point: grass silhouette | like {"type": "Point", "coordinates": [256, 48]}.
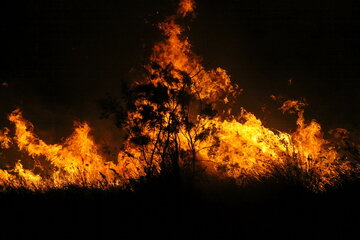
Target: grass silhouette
{"type": "Point", "coordinates": [169, 208]}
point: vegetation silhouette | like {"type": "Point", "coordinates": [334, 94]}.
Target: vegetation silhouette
{"type": "Point", "coordinates": [169, 113]}
{"type": "Point", "coordinates": [158, 207]}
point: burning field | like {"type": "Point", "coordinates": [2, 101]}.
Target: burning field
{"type": "Point", "coordinates": [183, 122]}
{"type": "Point", "coordinates": [178, 118]}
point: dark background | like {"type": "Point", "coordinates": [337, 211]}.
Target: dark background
{"type": "Point", "coordinates": [59, 57]}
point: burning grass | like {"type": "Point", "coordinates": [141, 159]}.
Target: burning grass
{"type": "Point", "coordinates": [178, 120]}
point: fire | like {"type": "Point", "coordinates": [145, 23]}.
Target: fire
{"type": "Point", "coordinates": [76, 161]}
{"type": "Point", "coordinates": [4, 138]}
{"type": "Point", "coordinates": [186, 7]}
{"type": "Point", "coordinates": [247, 150]}
{"type": "Point", "coordinates": [181, 120]}
{"type": "Point", "coordinates": [174, 54]}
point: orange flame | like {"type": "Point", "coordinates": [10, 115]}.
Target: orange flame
{"type": "Point", "coordinates": [4, 138]}
{"type": "Point", "coordinates": [186, 7]}
{"type": "Point", "coordinates": [76, 161]}
{"type": "Point", "coordinates": [175, 53]}
{"type": "Point", "coordinates": [246, 149]}
{"type": "Point", "coordinates": [238, 147]}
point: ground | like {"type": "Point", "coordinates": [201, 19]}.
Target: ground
{"type": "Point", "coordinates": [167, 210]}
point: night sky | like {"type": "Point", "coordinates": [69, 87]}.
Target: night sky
{"type": "Point", "coordinates": [58, 58]}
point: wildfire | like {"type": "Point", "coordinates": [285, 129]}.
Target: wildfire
{"type": "Point", "coordinates": [180, 120]}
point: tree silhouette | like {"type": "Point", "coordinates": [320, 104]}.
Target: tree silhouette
{"type": "Point", "coordinates": [163, 121]}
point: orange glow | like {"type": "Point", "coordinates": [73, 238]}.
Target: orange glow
{"type": "Point", "coordinates": [175, 53]}
{"type": "Point", "coordinates": [76, 161]}
{"type": "Point", "coordinates": [186, 7]}
{"type": "Point", "coordinates": [4, 138]}
{"type": "Point", "coordinates": [224, 145]}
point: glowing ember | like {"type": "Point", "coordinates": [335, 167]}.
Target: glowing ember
{"type": "Point", "coordinates": [180, 121]}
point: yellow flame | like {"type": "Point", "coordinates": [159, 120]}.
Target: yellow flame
{"type": "Point", "coordinates": [76, 161]}
{"type": "Point", "coordinates": [238, 147]}
{"type": "Point", "coordinates": [246, 149]}
{"type": "Point", "coordinates": [175, 52]}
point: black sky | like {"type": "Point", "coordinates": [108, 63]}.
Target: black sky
{"type": "Point", "coordinates": [59, 57]}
